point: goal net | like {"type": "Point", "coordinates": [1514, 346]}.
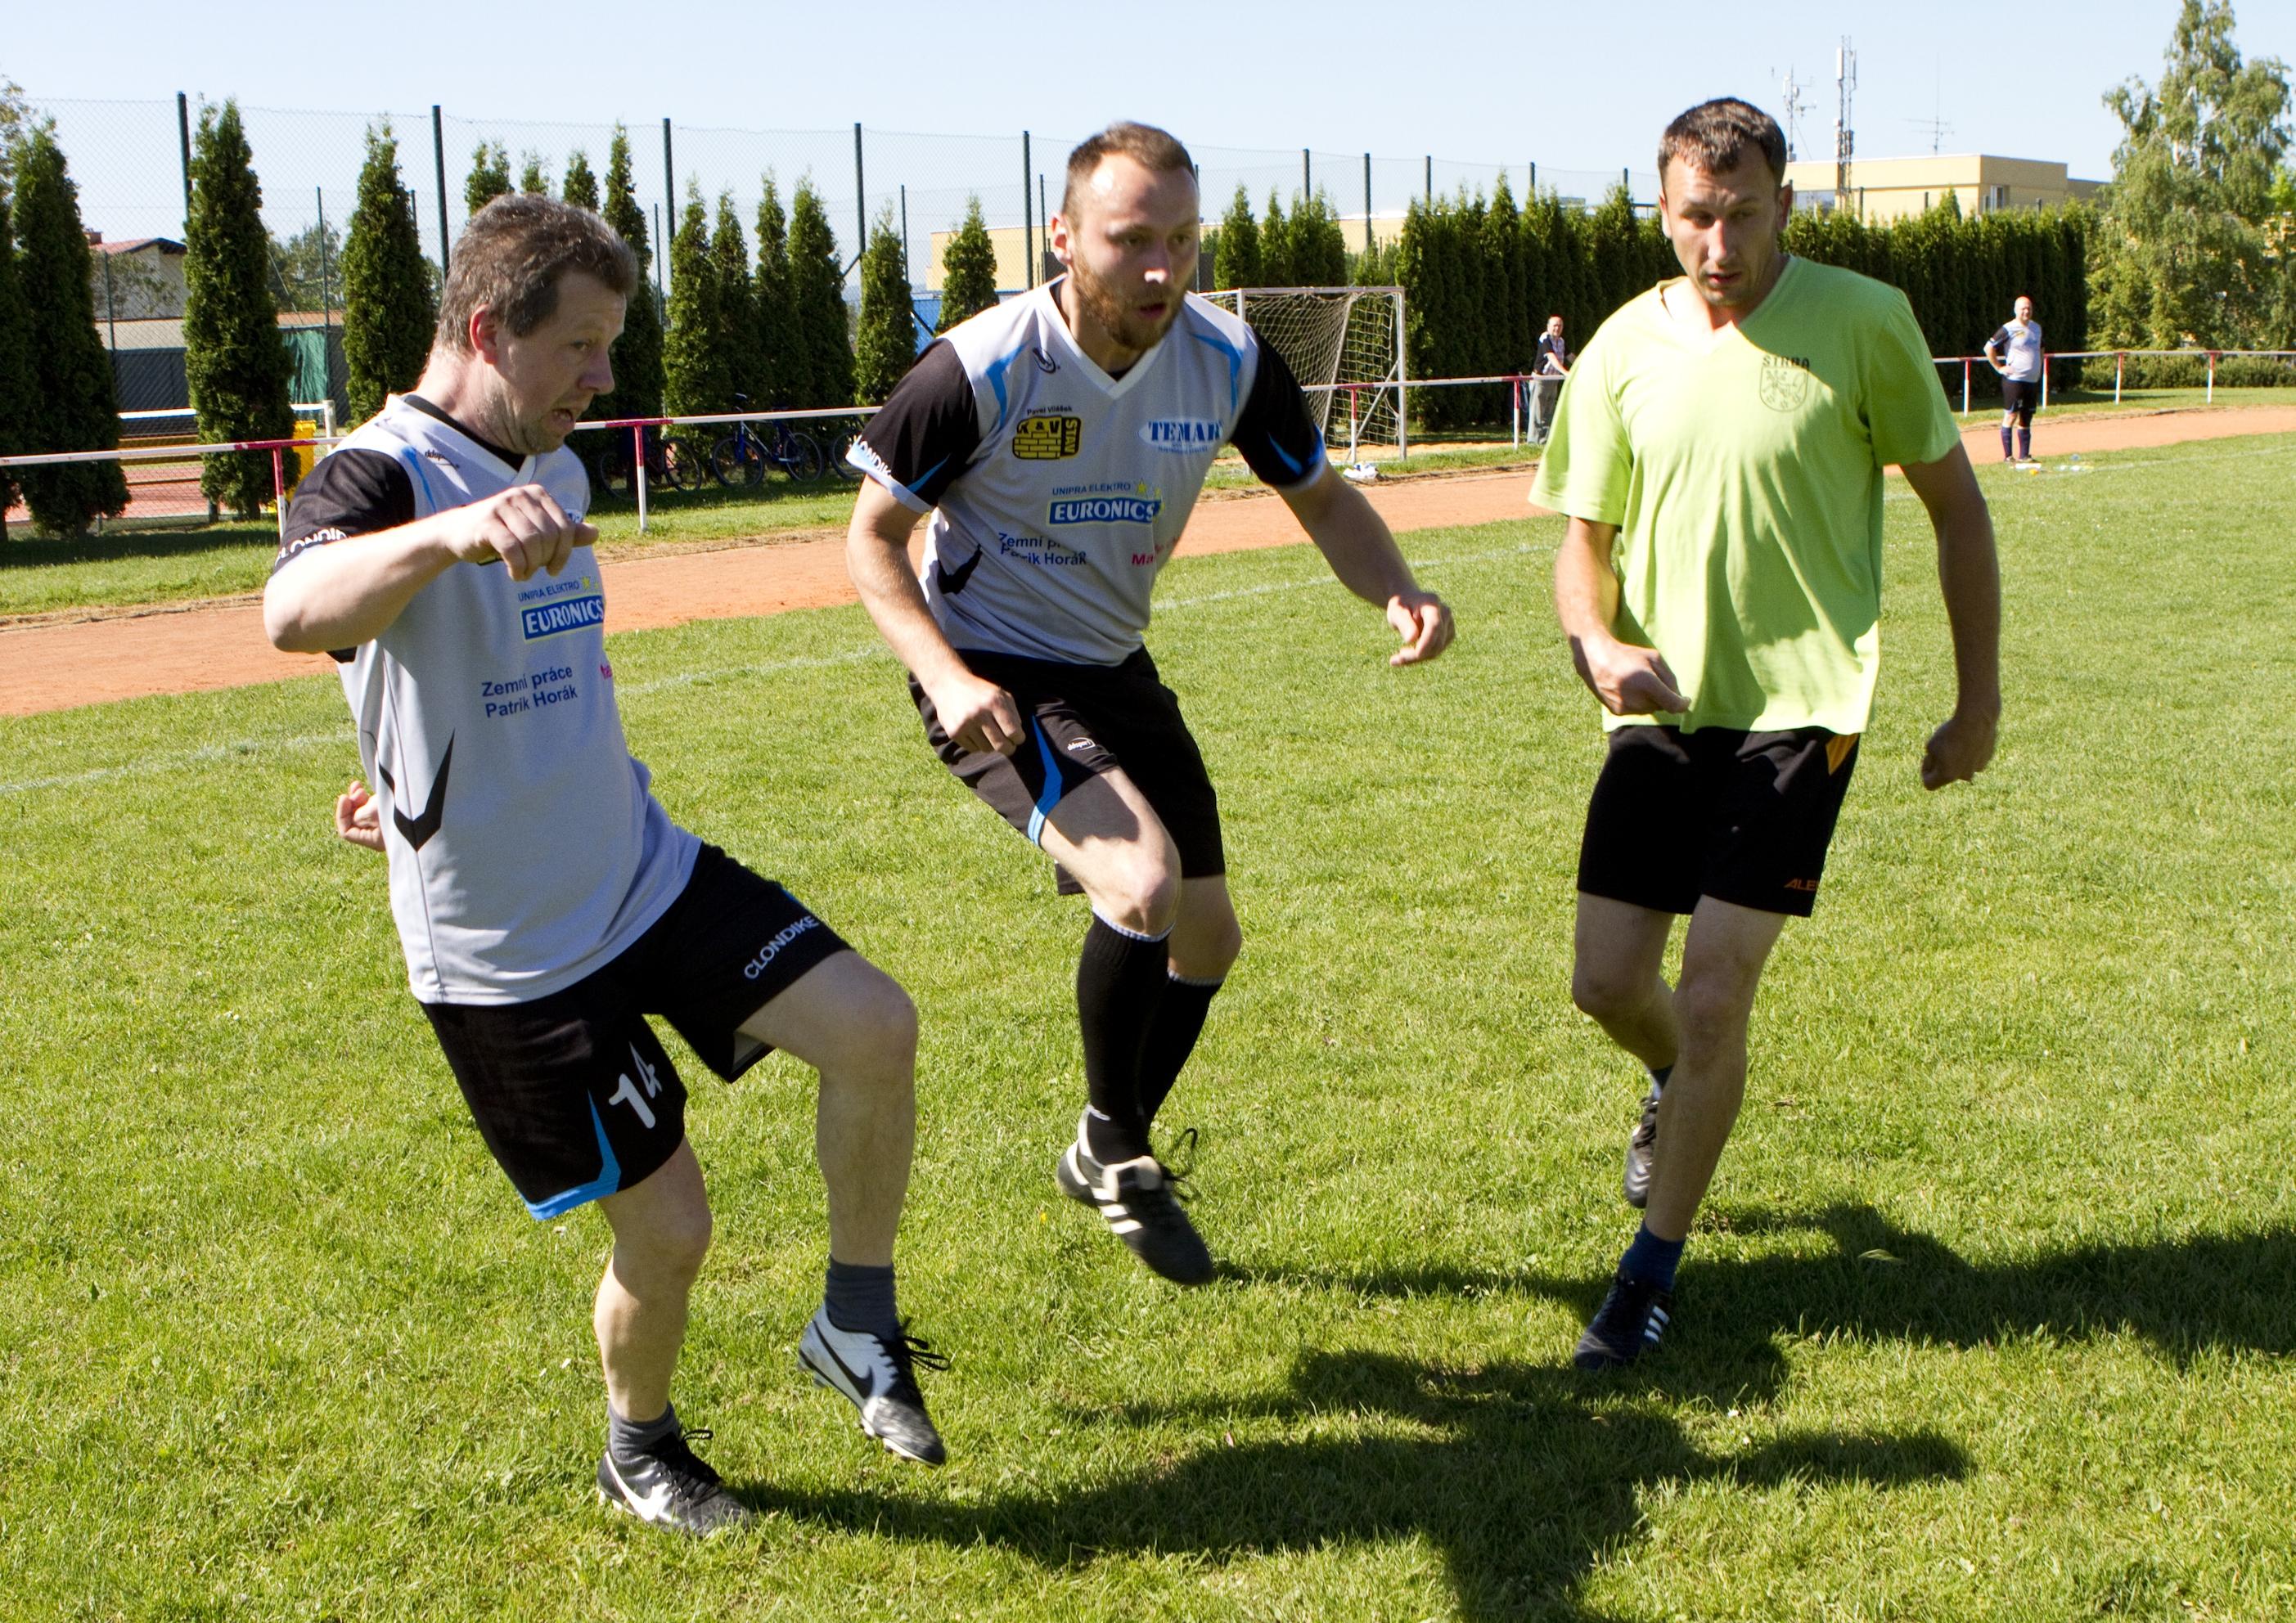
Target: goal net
{"type": "Point", "coordinates": [1345, 345]}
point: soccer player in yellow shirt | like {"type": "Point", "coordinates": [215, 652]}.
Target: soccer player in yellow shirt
{"type": "Point", "coordinates": [1720, 452]}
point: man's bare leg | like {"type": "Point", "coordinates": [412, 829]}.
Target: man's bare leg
{"type": "Point", "coordinates": [661, 1233]}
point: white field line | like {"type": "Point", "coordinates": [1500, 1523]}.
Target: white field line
{"type": "Point", "coordinates": [207, 755]}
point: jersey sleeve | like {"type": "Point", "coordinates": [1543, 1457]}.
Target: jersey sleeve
{"type": "Point", "coordinates": [1999, 340]}
{"type": "Point", "coordinates": [1905, 409]}
{"type": "Point", "coordinates": [1588, 463]}
{"type": "Point", "coordinates": [1279, 440]}
{"type": "Point", "coordinates": [354, 492]}
{"type": "Point", "coordinates": [925, 434]}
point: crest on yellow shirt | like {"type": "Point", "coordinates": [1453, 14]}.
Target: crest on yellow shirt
{"type": "Point", "coordinates": [1785, 382]}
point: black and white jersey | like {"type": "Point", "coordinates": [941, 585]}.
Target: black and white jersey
{"type": "Point", "coordinates": [2019, 345]}
{"type": "Point", "coordinates": [1058, 492]}
{"type": "Point", "coordinates": [526, 848]}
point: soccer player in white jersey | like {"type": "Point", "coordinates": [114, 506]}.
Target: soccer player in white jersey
{"type": "Point", "coordinates": [545, 901]}
{"type": "Point", "coordinates": [2014, 351]}
{"type": "Point", "coordinates": [1058, 441]}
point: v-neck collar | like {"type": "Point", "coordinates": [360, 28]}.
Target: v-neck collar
{"type": "Point", "coordinates": [516, 463]}
{"type": "Point", "coordinates": [1113, 387]}
{"type": "Point", "coordinates": [1690, 339]}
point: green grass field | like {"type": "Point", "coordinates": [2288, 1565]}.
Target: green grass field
{"type": "Point", "coordinates": [1993, 1314]}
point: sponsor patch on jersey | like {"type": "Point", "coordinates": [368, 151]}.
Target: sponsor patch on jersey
{"type": "Point", "coordinates": [1785, 382]}
{"type": "Point", "coordinates": [1047, 439]}
{"type": "Point", "coordinates": [1105, 510]}
{"type": "Point", "coordinates": [1179, 434]}
{"type": "Point", "coordinates": [567, 614]}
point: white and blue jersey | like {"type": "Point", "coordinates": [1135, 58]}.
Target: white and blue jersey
{"type": "Point", "coordinates": [526, 848]}
{"type": "Point", "coordinates": [1058, 492]}
{"type": "Point", "coordinates": [2019, 345]}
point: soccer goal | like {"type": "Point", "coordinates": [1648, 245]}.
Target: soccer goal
{"type": "Point", "coordinates": [1345, 345]}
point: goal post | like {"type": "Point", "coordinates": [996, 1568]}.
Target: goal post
{"type": "Point", "coordinates": [1345, 345]}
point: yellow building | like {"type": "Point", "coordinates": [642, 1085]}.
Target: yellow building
{"type": "Point", "coordinates": [1885, 189]}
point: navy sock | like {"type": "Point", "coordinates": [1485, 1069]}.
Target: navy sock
{"type": "Point", "coordinates": [1172, 1038]}
{"type": "Point", "coordinates": [629, 1440]}
{"type": "Point", "coordinates": [2024, 444]}
{"type": "Point", "coordinates": [861, 1298]}
{"type": "Point", "coordinates": [1119, 981]}
{"type": "Point", "coordinates": [2005, 442]}
{"type": "Point", "coordinates": [1651, 1260]}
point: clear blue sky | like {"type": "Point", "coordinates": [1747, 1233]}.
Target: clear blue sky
{"type": "Point", "coordinates": [1582, 87]}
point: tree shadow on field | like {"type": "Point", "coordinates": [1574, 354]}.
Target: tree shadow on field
{"type": "Point", "coordinates": [2222, 1293]}
{"type": "Point", "coordinates": [1525, 1477]}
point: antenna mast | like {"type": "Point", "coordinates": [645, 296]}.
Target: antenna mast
{"type": "Point", "coordinates": [1845, 138]}
{"type": "Point", "coordinates": [1794, 104]}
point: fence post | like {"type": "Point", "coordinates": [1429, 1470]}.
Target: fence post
{"type": "Point", "coordinates": [2212, 377]}
{"type": "Point", "coordinates": [184, 133]}
{"type": "Point", "coordinates": [1367, 241]}
{"type": "Point", "coordinates": [638, 470]}
{"type": "Point", "coordinates": [668, 203]}
{"type": "Point", "coordinates": [1431, 179]}
{"type": "Point", "coordinates": [1028, 218]}
{"type": "Point", "coordinates": [2045, 379]}
{"type": "Point", "coordinates": [438, 162]}
{"type": "Point", "coordinates": [2118, 358]}
{"type": "Point", "coordinates": [860, 201]}
{"type": "Point", "coordinates": [1515, 417]}
{"type": "Point", "coordinates": [279, 492]}
{"type": "Point", "coordinates": [1307, 175]}
{"type": "Point", "coordinates": [1965, 386]}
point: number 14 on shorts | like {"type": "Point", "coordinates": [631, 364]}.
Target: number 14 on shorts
{"type": "Point", "coordinates": [626, 1091]}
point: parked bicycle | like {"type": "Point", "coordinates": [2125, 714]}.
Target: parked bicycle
{"type": "Point", "coordinates": [838, 445]}
{"type": "Point", "coordinates": [672, 462]}
{"type": "Point", "coordinates": [743, 456]}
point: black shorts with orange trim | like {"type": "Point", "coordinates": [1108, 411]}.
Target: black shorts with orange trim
{"type": "Point", "coordinates": [1081, 721]}
{"type": "Point", "coordinates": [1743, 818]}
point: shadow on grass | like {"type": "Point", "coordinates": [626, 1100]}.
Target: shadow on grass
{"type": "Point", "coordinates": [24, 550]}
{"type": "Point", "coordinates": [1525, 1477]}
{"type": "Point", "coordinates": [2209, 1292]}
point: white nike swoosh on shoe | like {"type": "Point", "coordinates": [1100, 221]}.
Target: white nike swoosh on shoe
{"type": "Point", "coordinates": [646, 1506]}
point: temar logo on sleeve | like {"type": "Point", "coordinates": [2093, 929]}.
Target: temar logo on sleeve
{"type": "Point", "coordinates": [567, 614]}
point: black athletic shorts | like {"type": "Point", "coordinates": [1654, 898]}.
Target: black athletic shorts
{"type": "Point", "coordinates": [1742, 817]}
{"type": "Point", "coordinates": [1083, 720]}
{"type": "Point", "coordinates": [573, 1091]}
{"type": "Point", "coordinates": [2021, 395]}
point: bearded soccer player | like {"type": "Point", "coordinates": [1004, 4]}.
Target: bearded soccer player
{"type": "Point", "coordinates": [1058, 442]}
{"type": "Point", "coordinates": [1719, 454]}
{"type": "Point", "coordinates": [545, 901]}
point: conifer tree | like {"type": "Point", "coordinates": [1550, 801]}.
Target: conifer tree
{"type": "Point", "coordinates": [637, 355]}
{"type": "Point", "coordinates": [531, 180]}
{"type": "Point", "coordinates": [75, 403]}
{"type": "Point", "coordinates": [489, 175]}
{"type": "Point", "coordinates": [581, 187]}
{"type": "Point", "coordinates": [968, 283]}
{"type": "Point", "coordinates": [1236, 263]}
{"type": "Point", "coordinates": [694, 375]}
{"type": "Point", "coordinates": [817, 299]}
{"type": "Point", "coordinates": [781, 359]}
{"type": "Point", "coordinates": [15, 366]}
{"type": "Point", "coordinates": [388, 312]}
{"type": "Point", "coordinates": [236, 362]}
{"type": "Point", "coordinates": [1319, 250]}
{"type": "Point", "coordinates": [886, 346]}
{"type": "Point", "coordinates": [1276, 247]}
{"type": "Point", "coordinates": [737, 303]}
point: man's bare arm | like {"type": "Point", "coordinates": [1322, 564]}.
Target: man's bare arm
{"type": "Point", "coordinates": [977, 713]}
{"type": "Point", "coordinates": [348, 592]}
{"type": "Point", "coordinates": [1629, 680]}
{"type": "Point", "coordinates": [1969, 574]}
{"type": "Point", "coordinates": [1361, 550]}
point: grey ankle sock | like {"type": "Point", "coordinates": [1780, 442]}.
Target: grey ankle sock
{"type": "Point", "coordinates": [861, 1298]}
{"type": "Point", "coordinates": [628, 1440]}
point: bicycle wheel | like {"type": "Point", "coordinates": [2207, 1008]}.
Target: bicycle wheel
{"type": "Point", "coordinates": [737, 460]}
{"type": "Point", "coordinates": [683, 465]}
{"type": "Point", "coordinates": [802, 458]}
{"type": "Point", "coordinates": [838, 464]}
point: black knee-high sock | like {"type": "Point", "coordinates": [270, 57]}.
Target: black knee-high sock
{"type": "Point", "coordinates": [2005, 442]}
{"type": "Point", "coordinates": [1119, 981]}
{"type": "Point", "coordinates": [2024, 443]}
{"type": "Point", "coordinates": [1179, 1022]}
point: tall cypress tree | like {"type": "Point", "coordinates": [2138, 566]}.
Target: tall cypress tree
{"type": "Point", "coordinates": [1236, 261]}
{"type": "Point", "coordinates": [817, 298]}
{"type": "Point", "coordinates": [737, 303]}
{"type": "Point", "coordinates": [15, 366]}
{"type": "Point", "coordinates": [781, 357]}
{"type": "Point", "coordinates": [236, 362]}
{"type": "Point", "coordinates": [968, 283]}
{"type": "Point", "coordinates": [531, 180]}
{"type": "Point", "coordinates": [637, 355]}
{"type": "Point", "coordinates": [1319, 250]}
{"type": "Point", "coordinates": [388, 313]}
{"type": "Point", "coordinates": [581, 188]}
{"type": "Point", "coordinates": [75, 404]}
{"type": "Point", "coordinates": [1276, 247]}
{"type": "Point", "coordinates": [694, 374]}
{"type": "Point", "coordinates": [887, 342]}
{"type": "Point", "coordinates": [489, 175]}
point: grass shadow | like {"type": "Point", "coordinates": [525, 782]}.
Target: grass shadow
{"type": "Point", "coordinates": [24, 550]}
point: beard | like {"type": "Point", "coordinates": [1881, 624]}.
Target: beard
{"type": "Point", "coordinates": [1115, 315]}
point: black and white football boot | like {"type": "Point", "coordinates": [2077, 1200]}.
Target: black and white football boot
{"type": "Point", "coordinates": [669, 1486]}
{"type": "Point", "coordinates": [1640, 1148]}
{"type": "Point", "coordinates": [1629, 1323]}
{"type": "Point", "coordinates": [880, 1379]}
{"type": "Point", "coordinates": [1139, 1200]}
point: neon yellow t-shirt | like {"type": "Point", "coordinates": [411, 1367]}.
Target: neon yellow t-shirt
{"type": "Point", "coordinates": [1745, 478]}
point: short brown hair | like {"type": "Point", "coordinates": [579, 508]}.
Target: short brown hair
{"type": "Point", "coordinates": [1714, 136]}
{"type": "Point", "coordinates": [1159, 151]}
{"type": "Point", "coordinates": [512, 257]}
